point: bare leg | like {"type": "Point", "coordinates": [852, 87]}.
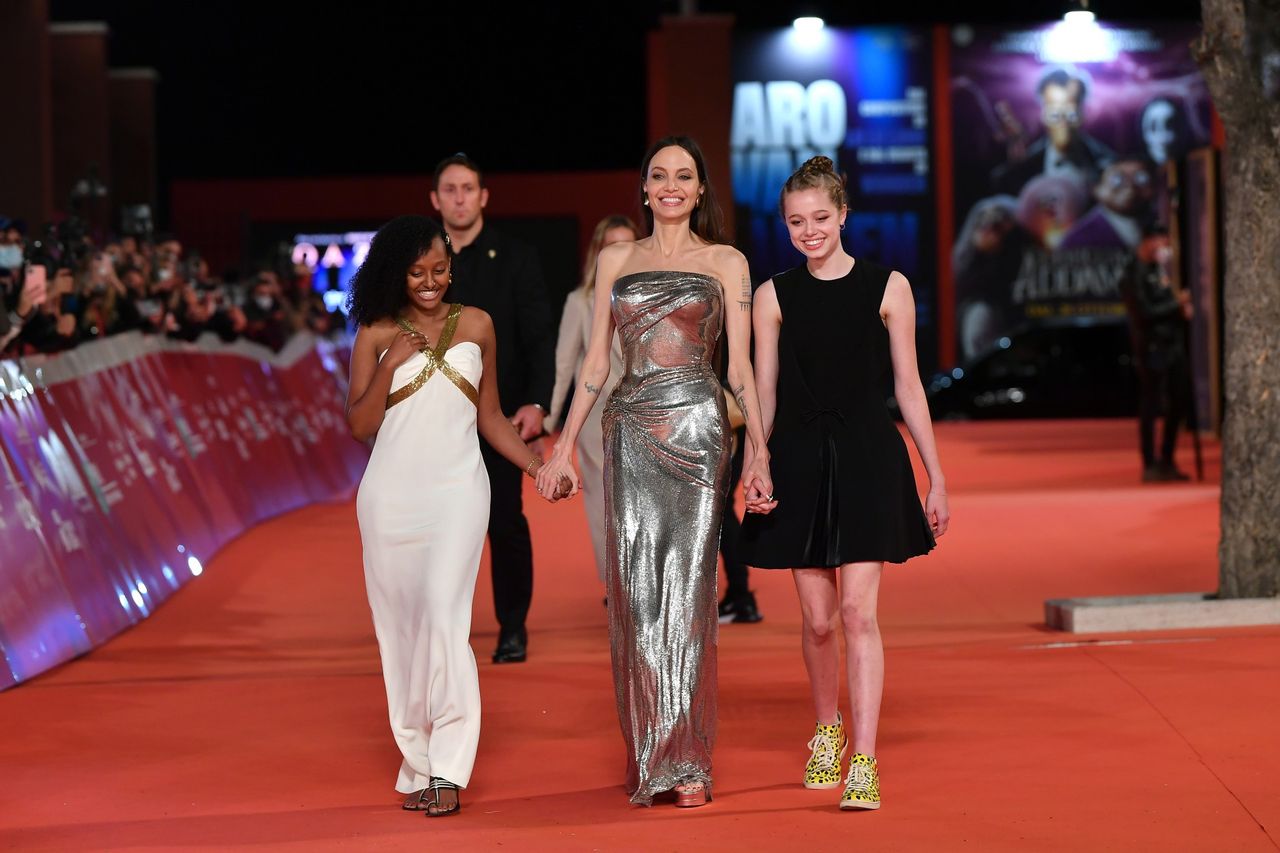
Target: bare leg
{"type": "Point", "coordinates": [819, 606]}
{"type": "Point", "coordinates": [864, 653]}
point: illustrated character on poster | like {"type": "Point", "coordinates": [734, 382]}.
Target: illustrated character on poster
{"type": "Point", "coordinates": [1166, 138]}
{"type": "Point", "coordinates": [986, 258]}
{"type": "Point", "coordinates": [1064, 150]}
{"type": "Point", "coordinates": [1048, 206]}
{"type": "Point", "coordinates": [1165, 135]}
{"type": "Point", "coordinates": [1117, 221]}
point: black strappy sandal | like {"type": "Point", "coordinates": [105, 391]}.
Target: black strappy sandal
{"type": "Point", "coordinates": [415, 801]}
{"type": "Point", "coordinates": [431, 798]}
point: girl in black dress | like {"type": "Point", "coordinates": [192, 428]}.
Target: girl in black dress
{"type": "Point", "coordinates": [833, 337]}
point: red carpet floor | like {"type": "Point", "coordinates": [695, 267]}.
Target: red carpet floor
{"type": "Point", "coordinates": [248, 712]}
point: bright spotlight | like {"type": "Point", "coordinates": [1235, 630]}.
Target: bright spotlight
{"type": "Point", "coordinates": [1079, 16]}
{"type": "Point", "coordinates": [808, 24]}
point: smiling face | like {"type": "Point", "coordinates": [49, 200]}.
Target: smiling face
{"type": "Point", "coordinates": [427, 278]}
{"type": "Point", "coordinates": [671, 183]}
{"type": "Point", "coordinates": [813, 222]}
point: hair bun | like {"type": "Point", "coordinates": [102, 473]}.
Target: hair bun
{"type": "Point", "coordinates": [820, 165]}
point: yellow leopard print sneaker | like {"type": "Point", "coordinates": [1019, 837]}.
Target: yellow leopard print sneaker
{"type": "Point", "coordinates": [829, 746]}
{"type": "Point", "coordinates": [862, 788]}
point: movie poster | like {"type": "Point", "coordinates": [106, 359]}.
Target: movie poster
{"type": "Point", "coordinates": [861, 98]}
{"type": "Point", "coordinates": [1061, 135]}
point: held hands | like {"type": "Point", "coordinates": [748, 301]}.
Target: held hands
{"type": "Point", "coordinates": [757, 484]}
{"type": "Point", "coordinates": [557, 479]}
{"type": "Point", "coordinates": [937, 512]}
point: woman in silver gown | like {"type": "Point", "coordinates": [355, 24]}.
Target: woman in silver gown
{"type": "Point", "coordinates": [666, 464]}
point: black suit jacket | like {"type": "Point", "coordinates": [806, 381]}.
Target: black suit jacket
{"type": "Point", "coordinates": [1085, 153]}
{"type": "Point", "coordinates": [503, 277]}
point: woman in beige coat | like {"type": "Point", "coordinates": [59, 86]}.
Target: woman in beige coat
{"type": "Point", "coordinates": [575, 332]}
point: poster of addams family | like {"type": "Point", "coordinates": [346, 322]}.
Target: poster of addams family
{"type": "Point", "coordinates": [1061, 138]}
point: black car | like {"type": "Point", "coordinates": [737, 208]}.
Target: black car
{"type": "Point", "coordinates": [1050, 370]}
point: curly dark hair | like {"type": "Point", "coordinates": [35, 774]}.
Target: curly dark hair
{"type": "Point", "coordinates": [378, 287]}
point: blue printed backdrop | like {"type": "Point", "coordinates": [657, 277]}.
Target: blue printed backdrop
{"type": "Point", "coordinates": [860, 97]}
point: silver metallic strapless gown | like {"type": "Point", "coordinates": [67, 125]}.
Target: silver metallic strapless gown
{"type": "Point", "coordinates": [666, 466]}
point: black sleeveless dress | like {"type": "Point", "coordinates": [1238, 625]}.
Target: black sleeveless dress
{"type": "Point", "coordinates": [840, 468]}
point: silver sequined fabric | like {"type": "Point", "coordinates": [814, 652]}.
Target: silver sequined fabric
{"type": "Point", "coordinates": [666, 465]}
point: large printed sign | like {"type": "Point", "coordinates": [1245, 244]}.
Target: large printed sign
{"type": "Point", "coordinates": [118, 479]}
{"type": "Point", "coordinates": [1061, 135]}
{"type": "Point", "coordinates": [861, 98]}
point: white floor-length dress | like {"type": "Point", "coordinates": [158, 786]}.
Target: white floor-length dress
{"type": "Point", "coordinates": [423, 508]}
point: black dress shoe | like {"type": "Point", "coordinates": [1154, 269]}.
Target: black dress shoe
{"type": "Point", "coordinates": [512, 643]}
{"type": "Point", "coordinates": [739, 608]}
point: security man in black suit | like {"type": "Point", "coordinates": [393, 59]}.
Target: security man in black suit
{"type": "Point", "coordinates": [502, 276]}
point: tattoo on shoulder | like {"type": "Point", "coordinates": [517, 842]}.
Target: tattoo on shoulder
{"type": "Point", "coordinates": [591, 389]}
{"type": "Point", "coordinates": [744, 303]}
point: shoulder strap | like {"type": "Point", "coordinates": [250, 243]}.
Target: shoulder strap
{"type": "Point", "coordinates": [436, 361]}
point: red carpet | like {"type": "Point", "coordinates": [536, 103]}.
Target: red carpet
{"type": "Point", "coordinates": [248, 712]}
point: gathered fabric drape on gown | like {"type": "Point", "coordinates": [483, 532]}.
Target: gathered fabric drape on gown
{"type": "Point", "coordinates": [666, 466]}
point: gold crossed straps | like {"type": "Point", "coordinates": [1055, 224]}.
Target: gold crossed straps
{"type": "Point", "coordinates": [435, 361]}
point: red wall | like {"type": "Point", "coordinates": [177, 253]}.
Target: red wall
{"type": "Point", "coordinates": [213, 215]}
{"type": "Point", "coordinates": [81, 100]}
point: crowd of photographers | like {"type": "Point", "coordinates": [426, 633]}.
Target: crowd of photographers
{"type": "Point", "coordinates": [60, 289]}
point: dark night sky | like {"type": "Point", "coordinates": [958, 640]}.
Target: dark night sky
{"type": "Point", "coordinates": [313, 88]}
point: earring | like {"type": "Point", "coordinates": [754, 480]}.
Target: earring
{"type": "Point", "coordinates": [646, 201]}
{"type": "Point", "coordinates": [841, 226]}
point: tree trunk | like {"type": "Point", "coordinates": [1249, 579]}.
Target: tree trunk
{"type": "Point", "coordinates": [1239, 52]}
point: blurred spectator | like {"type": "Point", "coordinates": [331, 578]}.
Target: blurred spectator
{"type": "Point", "coordinates": [267, 318]}
{"type": "Point", "coordinates": [1157, 325]}
{"type": "Point", "coordinates": [107, 307]}
{"type": "Point", "coordinates": [21, 303]}
{"type": "Point", "coordinates": [58, 290]}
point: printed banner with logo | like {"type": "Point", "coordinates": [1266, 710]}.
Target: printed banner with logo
{"type": "Point", "coordinates": [860, 97]}
{"type": "Point", "coordinates": [1061, 138]}
{"type": "Point", "coordinates": [127, 463]}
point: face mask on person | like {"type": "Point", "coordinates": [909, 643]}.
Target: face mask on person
{"type": "Point", "coordinates": [10, 257]}
{"type": "Point", "coordinates": [263, 302]}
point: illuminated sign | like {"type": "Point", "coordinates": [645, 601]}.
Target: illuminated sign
{"type": "Point", "coordinates": [332, 260]}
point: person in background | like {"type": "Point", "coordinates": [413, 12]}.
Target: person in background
{"type": "Point", "coordinates": [575, 334]}
{"type": "Point", "coordinates": [739, 602]}
{"type": "Point", "coordinates": [266, 316]}
{"type": "Point", "coordinates": [502, 276]}
{"type": "Point", "coordinates": [108, 307]}
{"type": "Point", "coordinates": [1157, 327]}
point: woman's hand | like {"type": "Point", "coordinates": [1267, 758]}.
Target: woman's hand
{"type": "Point", "coordinates": [757, 484]}
{"type": "Point", "coordinates": [553, 476]}
{"type": "Point", "coordinates": [937, 512]}
{"type": "Point", "coordinates": [402, 348]}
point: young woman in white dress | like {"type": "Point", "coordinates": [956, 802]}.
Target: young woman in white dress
{"type": "Point", "coordinates": [422, 384]}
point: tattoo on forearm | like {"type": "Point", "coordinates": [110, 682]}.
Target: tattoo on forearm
{"type": "Point", "coordinates": [741, 398]}
{"type": "Point", "coordinates": [744, 304]}
{"type": "Point", "coordinates": [591, 389]}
